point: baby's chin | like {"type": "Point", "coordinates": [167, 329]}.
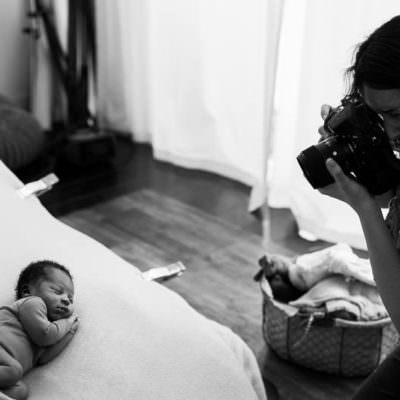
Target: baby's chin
{"type": "Point", "coordinates": [56, 315]}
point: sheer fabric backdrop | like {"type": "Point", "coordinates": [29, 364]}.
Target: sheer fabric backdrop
{"type": "Point", "coordinates": [192, 77]}
{"type": "Point", "coordinates": [232, 87]}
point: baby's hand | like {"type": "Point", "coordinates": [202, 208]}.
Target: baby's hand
{"type": "Point", "coordinates": [73, 318]}
{"type": "Point", "coordinates": [74, 326]}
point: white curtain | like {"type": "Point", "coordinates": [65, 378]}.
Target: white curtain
{"type": "Point", "coordinates": [192, 77]}
{"type": "Point", "coordinates": [317, 43]}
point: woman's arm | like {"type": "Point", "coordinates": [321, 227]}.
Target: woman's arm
{"type": "Point", "coordinates": [384, 257]}
{"type": "Point", "coordinates": [53, 351]}
{"type": "Point", "coordinates": [385, 260]}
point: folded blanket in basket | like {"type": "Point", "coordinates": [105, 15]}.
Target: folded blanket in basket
{"type": "Point", "coordinates": [339, 294]}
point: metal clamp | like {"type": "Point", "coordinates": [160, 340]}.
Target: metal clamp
{"type": "Point", "coordinates": [160, 274]}
{"type": "Point", "coordinates": [38, 187]}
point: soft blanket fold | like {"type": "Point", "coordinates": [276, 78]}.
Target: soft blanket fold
{"type": "Point", "coordinates": [360, 301]}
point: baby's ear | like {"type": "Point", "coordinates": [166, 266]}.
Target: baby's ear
{"type": "Point", "coordinates": [25, 291]}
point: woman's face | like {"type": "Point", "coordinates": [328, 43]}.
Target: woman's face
{"type": "Point", "coordinates": [386, 102]}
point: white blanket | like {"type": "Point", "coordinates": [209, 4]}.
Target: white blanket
{"type": "Point", "coordinates": [137, 340]}
{"type": "Point", "coordinates": [310, 268]}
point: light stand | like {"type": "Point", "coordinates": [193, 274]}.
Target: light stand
{"type": "Point", "coordinates": [82, 142]}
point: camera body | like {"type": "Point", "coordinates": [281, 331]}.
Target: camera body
{"type": "Point", "coordinates": [358, 143]}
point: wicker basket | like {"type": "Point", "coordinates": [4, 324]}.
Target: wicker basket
{"type": "Point", "coordinates": [337, 346]}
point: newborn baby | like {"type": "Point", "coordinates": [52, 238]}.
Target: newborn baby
{"type": "Point", "coordinates": [276, 270]}
{"type": "Point", "coordinates": [37, 326]}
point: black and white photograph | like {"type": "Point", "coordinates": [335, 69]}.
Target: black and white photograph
{"type": "Point", "coordinates": [200, 200]}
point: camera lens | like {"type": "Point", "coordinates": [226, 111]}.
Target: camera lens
{"type": "Point", "coordinates": [313, 165]}
{"type": "Point", "coordinates": [312, 160]}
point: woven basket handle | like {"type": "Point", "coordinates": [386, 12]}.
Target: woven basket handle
{"type": "Point", "coordinates": [307, 329]}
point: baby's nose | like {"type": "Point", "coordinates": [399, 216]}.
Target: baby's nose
{"type": "Point", "coordinates": [65, 301]}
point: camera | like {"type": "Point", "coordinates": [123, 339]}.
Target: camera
{"type": "Point", "coordinates": [358, 143]}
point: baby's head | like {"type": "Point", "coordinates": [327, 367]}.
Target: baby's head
{"type": "Point", "coordinates": [51, 282]}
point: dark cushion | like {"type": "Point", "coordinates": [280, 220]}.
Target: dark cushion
{"type": "Point", "coordinates": [21, 137]}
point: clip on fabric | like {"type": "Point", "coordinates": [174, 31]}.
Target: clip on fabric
{"type": "Point", "coordinates": [38, 187]}
{"type": "Point", "coordinates": [160, 274]}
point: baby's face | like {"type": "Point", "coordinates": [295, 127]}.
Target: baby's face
{"type": "Point", "coordinates": [57, 291]}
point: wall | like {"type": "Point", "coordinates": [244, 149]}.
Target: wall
{"type": "Point", "coordinates": [14, 45]}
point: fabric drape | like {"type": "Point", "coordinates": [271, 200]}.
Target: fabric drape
{"type": "Point", "coordinates": [193, 78]}
{"type": "Point", "coordinates": [232, 87]}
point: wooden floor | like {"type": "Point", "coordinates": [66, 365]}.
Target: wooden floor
{"type": "Point", "coordinates": [153, 213]}
{"type": "Point", "coordinates": [150, 229]}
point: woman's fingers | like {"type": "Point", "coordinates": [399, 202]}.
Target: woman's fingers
{"type": "Point", "coordinates": [339, 188]}
{"type": "Point", "coordinates": [342, 180]}
{"type": "Point", "coordinates": [325, 110]}
{"type": "Point", "coordinates": [334, 169]}
{"type": "Point", "coordinates": [323, 133]}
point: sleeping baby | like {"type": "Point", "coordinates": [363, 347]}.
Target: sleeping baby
{"type": "Point", "coordinates": [37, 326]}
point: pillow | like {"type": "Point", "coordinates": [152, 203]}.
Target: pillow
{"type": "Point", "coordinates": [22, 139]}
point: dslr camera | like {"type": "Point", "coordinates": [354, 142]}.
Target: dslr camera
{"type": "Point", "coordinates": [358, 143]}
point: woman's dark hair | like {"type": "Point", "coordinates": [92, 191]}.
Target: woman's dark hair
{"type": "Point", "coordinates": [376, 61]}
{"type": "Point", "coordinates": [34, 271]}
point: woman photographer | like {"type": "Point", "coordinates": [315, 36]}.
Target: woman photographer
{"type": "Point", "coordinates": [375, 80]}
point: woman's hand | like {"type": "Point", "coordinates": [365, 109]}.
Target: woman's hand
{"type": "Point", "coordinates": [346, 188]}
{"type": "Point", "coordinates": [325, 110]}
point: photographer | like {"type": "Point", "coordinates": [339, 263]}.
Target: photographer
{"type": "Point", "coordinates": [375, 81]}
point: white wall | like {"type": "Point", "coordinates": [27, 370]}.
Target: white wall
{"type": "Point", "coordinates": [14, 51]}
